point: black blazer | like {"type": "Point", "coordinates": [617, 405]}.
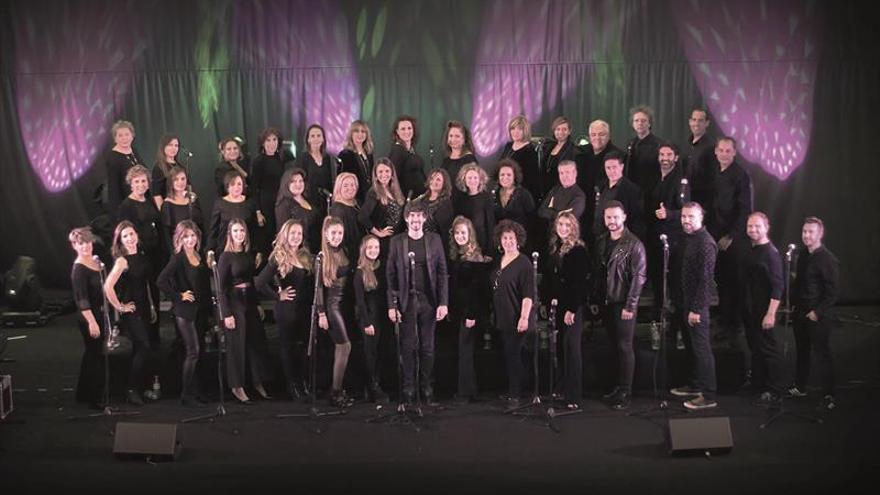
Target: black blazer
{"type": "Point", "coordinates": [397, 271]}
{"type": "Point", "coordinates": [173, 281]}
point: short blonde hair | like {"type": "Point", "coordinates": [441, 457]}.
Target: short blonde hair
{"type": "Point", "coordinates": [523, 122]}
{"type": "Point", "coordinates": [136, 171]}
{"type": "Point", "coordinates": [462, 174]}
{"type": "Point", "coordinates": [121, 124]}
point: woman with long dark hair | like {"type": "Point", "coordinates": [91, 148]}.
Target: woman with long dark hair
{"type": "Point", "coordinates": [437, 200]}
{"type": "Point", "coordinates": [186, 282]}
{"type": "Point", "coordinates": [287, 280]}
{"type": "Point", "coordinates": [293, 204]}
{"type": "Point", "coordinates": [476, 204]}
{"type": "Point", "coordinates": [166, 160]}
{"type": "Point", "coordinates": [370, 294]}
{"type": "Point", "coordinates": [179, 205]}
{"type": "Point", "coordinates": [85, 277]}
{"type": "Point", "coordinates": [459, 148]}
{"type": "Point", "coordinates": [410, 167]}
{"type": "Point", "coordinates": [233, 205]}
{"type": "Point", "coordinates": [266, 171]}
{"type": "Point", "coordinates": [357, 156]}
{"type": "Point", "coordinates": [319, 166]}
{"type": "Point", "coordinates": [382, 212]}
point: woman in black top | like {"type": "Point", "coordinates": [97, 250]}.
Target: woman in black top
{"type": "Point", "coordinates": [370, 287]}
{"type": "Point", "coordinates": [166, 159]}
{"type": "Point", "coordinates": [85, 279]}
{"type": "Point", "coordinates": [287, 279]}
{"type": "Point", "coordinates": [476, 204]}
{"type": "Point", "coordinates": [513, 293]}
{"type": "Point", "coordinates": [469, 299]}
{"type": "Point", "coordinates": [180, 204]}
{"type": "Point", "coordinates": [292, 204]}
{"type": "Point", "coordinates": [320, 167]}
{"type": "Point", "coordinates": [234, 205]}
{"type": "Point", "coordinates": [121, 158]}
{"type": "Point", "coordinates": [410, 167]}
{"type": "Point", "coordinates": [459, 148]}
{"type": "Point", "coordinates": [382, 212]}
{"type": "Point", "coordinates": [565, 287]}
{"type": "Point", "coordinates": [512, 201]}
{"type": "Point", "coordinates": [357, 156]}
{"type": "Point", "coordinates": [232, 161]}
{"type": "Point", "coordinates": [561, 149]}
{"type": "Point", "coordinates": [132, 271]}
{"type": "Point", "coordinates": [345, 208]}
{"type": "Point", "coordinates": [333, 299]}
{"type": "Point", "coordinates": [439, 210]}
{"type": "Point", "coordinates": [520, 150]}
{"type": "Point", "coordinates": [266, 171]}
{"type": "Point", "coordinates": [185, 281]}
{"type": "Point", "coordinates": [245, 335]}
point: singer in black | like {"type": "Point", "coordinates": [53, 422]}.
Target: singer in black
{"type": "Point", "coordinates": [266, 171]}
{"type": "Point", "coordinates": [345, 208]}
{"type": "Point", "coordinates": [761, 293]}
{"type": "Point", "coordinates": [85, 277]}
{"type": "Point", "coordinates": [469, 300]}
{"type": "Point", "coordinates": [565, 286]}
{"type": "Point", "coordinates": [641, 152]}
{"type": "Point", "coordinates": [512, 200]}
{"type": "Point", "coordinates": [166, 160]}
{"type": "Point", "coordinates": [694, 291]}
{"type": "Point", "coordinates": [459, 149]}
{"type": "Point", "coordinates": [357, 156]}
{"type": "Point", "coordinates": [417, 297]}
{"type": "Point", "coordinates": [231, 206]}
{"type": "Point", "coordinates": [591, 162]}
{"type": "Point", "coordinates": [186, 282]}
{"type": "Point", "coordinates": [814, 294]}
{"type": "Point", "coordinates": [513, 296]}
{"type": "Point", "coordinates": [410, 167]}
{"type": "Point", "coordinates": [232, 160]}
{"type": "Point", "coordinates": [565, 196]}
{"type": "Point", "coordinates": [292, 204]}
{"type": "Point", "coordinates": [619, 273]}
{"type": "Point", "coordinates": [556, 152]}
{"type": "Point", "coordinates": [117, 162]}
{"type": "Point", "coordinates": [180, 204]}
{"type": "Point", "coordinates": [245, 335]}
{"type": "Point", "coordinates": [700, 164]}
{"type": "Point", "coordinates": [287, 279]}
{"type": "Point", "coordinates": [437, 202]}
{"type": "Point", "coordinates": [475, 203]}
{"type": "Point", "coordinates": [370, 292]}
{"type": "Point", "coordinates": [520, 150]}
{"type": "Point", "coordinates": [320, 167]}
{"type": "Point", "coordinates": [626, 192]}
{"type": "Point", "coordinates": [382, 212]}
{"type": "Point", "coordinates": [132, 272]}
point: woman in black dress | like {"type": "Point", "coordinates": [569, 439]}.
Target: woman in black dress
{"type": "Point", "coordinates": [513, 293]}
{"type": "Point", "coordinates": [233, 205]}
{"type": "Point", "coordinates": [439, 210]}
{"type": "Point", "coordinates": [266, 171]}
{"type": "Point", "coordinates": [565, 286]}
{"type": "Point", "coordinates": [345, 208]}
{"type": "Point", "coordinates": [185, 281]}
{"type": "Point", "coordinates": [292, 204]}
{"type": "Point", "coordinates": [512, 201]}
{"type": "Point", "coordinates": [231, 161]}
{"type": "Point", "coordinates": [131, 271]}
{"type": "Point", "coordinates": [357, 156]}
{"type": "Point", "coordinates": [459, 148]}
{"type": "Point", "coordinates": [469, 300]}
{"type": "Point", "coordinates": [476, 203]}
{"type": "Point", "coordinates": [166, 159]}
{"type": "Point", "coordinates": [382, 212]}
{"type": "Point", "coordinates": [319, 166]}
{"type": "Point", "coordinates": [180, 204]}
{"type": "Point", "coordinates": [85, 279]}
{"type": "Point", "coordinates": [119, 159]}
{"type": "Point", "coordinates": [559, 150]}
{"type": "Point", "coordinates": [370, 296]}
{"type": "Point", "coordinates": [520, 150]}
{"type": "Point", "coordinates": [410, 167]}
{"type": "Point", "coordinates": [245, 335]}
{"type": "Point", "coordinates": [287, 279]}
{"type": "Point", "coordinates": [333, 298]}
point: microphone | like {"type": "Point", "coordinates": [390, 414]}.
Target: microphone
{"type": "Point", "coordinates": [790, 251]}
{"type": "Point", "coordinates": [408, 196]}
{"type": "Point", "coordinates": [431, 149]}
{"type": "Point", "coordinates": [326, 193]}
{"type": "Point", "coordinates": [412, 256]}
{"type": "Point", "coordinates": [97, 260]}
{"type": "Point", "coordinates": [210, 259]}
{"type": "Point", "coordinates": [185, 152]}
{"type": "Point", "coordinates": [665, 240]}
{"type": "Point", "coordinates": [535, 257]}
{"type": "Point", "coordinates": [683, 190]}
{"type": "Point", "coordinates": [189, 193]}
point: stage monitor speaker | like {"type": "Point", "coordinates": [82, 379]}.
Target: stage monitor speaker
{"type": "Point", "coordinates": [700, 436]}
{"type": "Point", "coordinates": [155, 441]}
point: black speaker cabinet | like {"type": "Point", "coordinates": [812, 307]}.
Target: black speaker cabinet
{"type": "Point", "coordinates": [700, 436]}
{"type": "Point", "coordinates": [154, 441]}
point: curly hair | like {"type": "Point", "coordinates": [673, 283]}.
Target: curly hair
{"type": "Point", "coordinates": [508, 225]}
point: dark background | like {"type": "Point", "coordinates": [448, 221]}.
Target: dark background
{"type": "Point", "coordinates": [205, 70]}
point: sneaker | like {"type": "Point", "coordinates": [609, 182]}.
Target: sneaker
{"type": "Point", "coordinates": [687, 391]}
{"type": "Point", "coordinates": [679, 342]}
{"type": "Point", "coordinates": [828, 403]}
{"type": "Point", "coordinates": [699, 403]}
{"type": "Point", "coordinates": [796, 392]}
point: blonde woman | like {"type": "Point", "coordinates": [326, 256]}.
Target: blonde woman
{"type": "Point", "coordinates": [370, 291]}
{"type": "Point", "coordinates": [476, 203]}
{"type": "Point", "coordinates": [357, 156]}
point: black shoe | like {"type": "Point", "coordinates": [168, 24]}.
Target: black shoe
{"type": "Point", "coordinates": [190, 401]}
{"type": "Point", "coordinates": [294, 392]}
{"type": "Point", "coordinates": [621, 402]}
{"type": "Point", "coordinates": [133, 397]}
{"type": "Point", "coordinates": [611, 395]}
{"type": "Point", "coordinates": [261, 391]}
{"type": "Point", "coordinates": [339, 399]}
{"type": "Point", "coordinates": [376, 394]}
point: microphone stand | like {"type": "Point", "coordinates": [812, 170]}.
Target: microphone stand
{"type": "Point", "coordinates": [313, 412]}
{"type": "Point", "coordinates": [535, 408]}
{"type": "Point", "coordinates": [414, 301]}
{"type": "Point", "coordinates": [779, 407]}
{"type": "Point", "coordinates": [111, 334]}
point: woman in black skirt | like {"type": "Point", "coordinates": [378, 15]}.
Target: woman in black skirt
{"type": "Point", "coordinates": [85, 279]}
{"type": "Point", "coordinates": [370, 296]}
{"type": "Point", "coordinates": [382, 212]}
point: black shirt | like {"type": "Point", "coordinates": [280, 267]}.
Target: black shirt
{"type": "Point", "coordinates": [673, 194]}
{"type": "Point", "coordinates": [453, 166]}
{"type": "Point", "coordinates": [527, 159]}
{"type": "Point", "coordinates": [179, 276]}
{"type": "Point", "coordinates": [410, 168]}
{"type": "Point", "coordinates": [479, 209]}
{"type": "Point", "coordinates": [370, 303]}
{"type": "Point", "coordinates": [317, 176]}
{"type": "Point", "coordinates": [133, 283]}
{"type": "Point", "coordinates": [224, 212]}
{"type": "Point", "coordinates": [695, 284]}
{"type": "Point", "coordinates": [87, 290]}
{"type": "Point", "coordinates": [550, 177]}
{"type": "Point", "coordinates": [438, 217]}
{"type": "Point", "coordinates": [117, 165]}
{"type": "Point", "coordinates": [417, 247]}
{"type": "Point", "coordinates": [510, 285]}
{"type": "Point", "coordinates": [159, 181]}
{"type": "Point", "coordinates": [816, 283]}
{"type": "Point", "coordinates": [520, 207]}
{"type": "Point", "coordinates": [361, 166]}
{"type": "Point", "coordinates": [564, 198]}
{"type": "Point", "coordinates": [220, 175]}
{"type": "Point", "coordinates": [762, 279]}
{"type": "Point", "coordinates": [233, 268]}
{"type": "Point", "coordinates": [642, 165]}
{"type": "Point", "coordinates": [469, 297]}
{"type": "Point", "coordinates": [731, 204]}
{"type": "Point", "coordinates": [270, 280]}
{"type": "Point", "coordinates": [701, 167]}
{"type": "Point", "coordinates": [145, 217]}
{"type": "Point", "coordinates": [353, 233]}
{"type": "Point", "coordinates": [266, 174]}
{"type": "Point", "coordinates": [628, 193]}
{"type": "Point", "coordinates": [566, 280]}
{"type": "Point", "coordinates": [289, 208]}
{"type": "Point", "coordinates": [172, 214]}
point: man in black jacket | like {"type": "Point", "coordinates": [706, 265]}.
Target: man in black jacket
{"type": "Point", "coordinates": [619, 188]}
{"type": "Point", "coordinates": [698, 158]}
{"type": "Point", "coordinates": [417, 297]}
{"type": "Point", "coordinates": [591, 167]}
{"type": "Point", "coordinates": [694, 293]}
{"type": "Point", "coordinates": [618, 278]}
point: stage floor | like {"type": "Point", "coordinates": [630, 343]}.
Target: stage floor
{"type": "Point", "coordinates": [459, 450]}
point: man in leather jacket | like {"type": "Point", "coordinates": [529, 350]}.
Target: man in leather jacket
{"type": "Point", "coordinates": [619, 269]}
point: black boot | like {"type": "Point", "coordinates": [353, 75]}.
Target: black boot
{"type": "Point", "coordinates": [376, 394]}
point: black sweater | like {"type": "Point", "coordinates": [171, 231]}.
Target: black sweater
{"type": "Point", "coordinates": [410, 168]}
{"type": "Point", "coordinates": [762, 279]}
{"type": "Point", "coordinates": [370, 305]}
{"type": "Point", "coordinates": [117, 165]}
{"type": "Point", "coordinates": [145, 217]}
{"type": "Point", "coordinates": [731, 204]}
{"type": "Point", "coordinates": [816, 283]}
{"type": "Point", "coordinates": [479, 209]}
{"type": "Point", "coordinates": [361, 167]}
{"type": "Point", "coordinates": [179, 276]}
{"type": "Point", "coordinates": [233, 268]}
{"type": "Point", "coordinates": [565, 279]}
{"type": "Point", "coordinates": [527, 159]}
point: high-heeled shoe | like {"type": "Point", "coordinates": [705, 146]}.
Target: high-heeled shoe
{"type": "Point", "coordinates": [262, 391]}
{"type": "Point", "coordinates": [245, 402]}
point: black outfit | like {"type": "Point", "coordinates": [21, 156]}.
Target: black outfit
{"type": "Point", "coordinates": [815, 288]}
{"type": "Point", "coordinates": [224, 168]}
{"type": "Point", "coordinates": [172, 214]}
{"type": "Point", "coordinates": [673, 194]}
{"type": "Point", "coordinates": [453, 166]}
{"type": "Point", "coordinates": [439, 215]}
{"type": "Point", "coordinates": [469, 299]}
{"type": "Point", "coordinates": [590, 177]}
{"type": "Point", "coordinates": [292, 317]}
{"type": "Point", "coordinates": [374, 214]}
{"type": "Point", "coordinates": [480, 210]}
{"type": "Point", "coordinates": [550, 173]}
{"type": "Point", "coordinates": [628, 193]}
{"type": "Point", "coordinates": [266, 174]}
{"type": "Point", "coordinates": [511, 285]}
{"type": "Point", "coordinates": [224, 212]}
{"type": "Point", "coordinates": [361, 166]}
{"type": "Point", "coordinates": [311, 218]}
{"type": "Point", "coordinates": [418, 309]}
{"type": "Point", "coordinates": [520, 207]}
{"type": "Point", "coordinates": [351, 226]}
{"type": "Point", "coordinates": [762, 281]}
{"type": "Point", "coordinates": [133, 287]}
{"type": "Point", "coordinates": [410, 168]}
{"type": "Point", "coordinates": [371, 310]}
{"type": "Point", "coordinates": [145, 217]}
{"type": "Point", "coordinates": [248, 338]}
{"type": "Point", "coordinates": [642, 161]}
{"type": "Point", "coordinates": [335, 302]}
{"type": "Point", "coordinates": [117, 165]}
{"type": "Point", "coordinates": [564, 198]}
{"type": "Point", "coordinates": [566, 281]}
{"type": "Point", "coordinates": [527, 159]}
{"type": "Point", "coordinates": [619, 276]}
{"type": "Point", "coordinates": [318, 177]}
{"type": "Point", "coordinates": [159, 181]}
{"type": "Point", "coordinates": [701, 167]}
{"type": "Point", "coordinates": [178, 277]}
{"type": "Point", "coordinates": [88, 295]}
{"type": "Point", "coordinates": [694, 291]}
